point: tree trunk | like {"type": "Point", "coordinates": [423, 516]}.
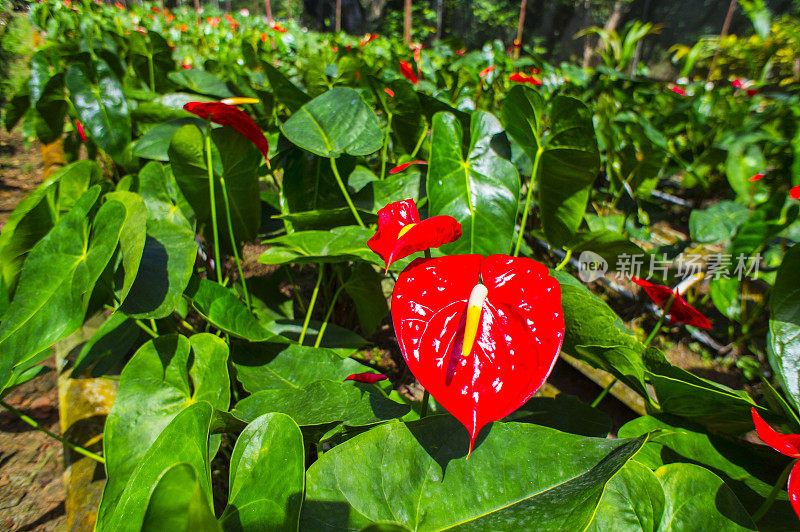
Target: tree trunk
{"type": "Point", "coordinates": [407, 23]}
{"type": "Point", "coordinates": [725, 26]}
{"type": "Point", "coordinates": [587, 40]}
{"type": "Point", "coordinates": [439, 16]}
{"type": "Point", "coordinates": [338, 16]}
{"type": "Point", "coordinates": [268, 9]}
{"type": "Point", "coordinates": [518, 40]}
{"type": "Point", "coordinates": [197, 10]}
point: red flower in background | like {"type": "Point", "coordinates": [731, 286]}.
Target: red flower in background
{"type": "Point", "coordinates": [408, 72]}
{"type": "Point", "coordinates": [521, 77]}
{"type": "Point", "coordinates": [401, 233]}
{"type": "Point", "coordinates": [118, 5]}
{"type": "Point", "coordinates": [279, 28]}
{"type": "Point", "coordinates": [368, 38]}
{"type": "Point", "coordinates": [229, 115]}
{"type": "Point", "coordinates": [788, 444]}
{"type": "Point", "coordinates": [481, 334]}
{"type": "Point", "coordinates": [399, 168]}
{"type": "Point", "coordinates": [213, 21]}
{"type": "Point", "coordinates": [369, 378]}
{"type": "Point", "coordinates": [389, 91]}
{"type": "Point", "coordinates": [679, 310]}
{"type": "Point", "coordinates": [186, 66]}
{"type": "Point", "coordinates": [756, 177]}
{"type": "Point", "coordinates": [794, 193]}
{"type": "Point", "coordinates": [678, 90]}
{"type": "Point", "coordinates": [81, 131]}
{"type": "Point", "coordinates": [485, 72]}
{"type": "Point", "coordinates": [461, 51]}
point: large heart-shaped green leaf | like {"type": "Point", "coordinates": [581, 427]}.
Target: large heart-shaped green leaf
{"type": "Point", "coordinates": [271, 366]}
{"type": "Point", "coordinates": [111, 342]}
{"type": "Point", "coordinates": [131, 238]}
{"type": "Point", "coordinates": [475, 184]}
{"type": "Point", "coordinates": [285, 91]}
{"type": "Point", "coordinates": [169, 251]}
{"type": "Point", "coordinates": [154, 144]}
{"type": "Point", "coordinates": [183, 439]}
{"type": "Point", "coordinates": [236, 160]}
{"type": "Point", "coordinates": [267, 476]}
{"type": "Point", "coordinates": [565, 148]}
{"type": "Point", "coordinates": [783, 342]}
{"type": "Point", "coordinates": [341, 244]}
{"type": "Point", "coordinates": [101, 106]}
{"type": "Point", "coordinates": [60, 269]}
{"type": "Point", "coordinates": [157, 385]}
{"type": "Point", "coordinates": [520, 477]}
{"type": "Point", "coordinates": [202, 82]}
{"type": "Point", "coordinates": [335, 123]}
{"type": "Point", "coordinates": [564, 412]}
{"type": "Point", "coordinates": [323, 402]}
{"type": "Point", "coordinates": [717, 223]}
{"type": "Point", "coordinates": [178, 503]}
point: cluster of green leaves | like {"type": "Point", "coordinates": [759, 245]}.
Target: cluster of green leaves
{"type": "Point", "coordinates": [209, 361]}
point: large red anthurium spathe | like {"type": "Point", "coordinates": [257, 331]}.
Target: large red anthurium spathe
{"type": "Point", "coordinates": [230, 115]}
{"type": "Point", "coordinates": [481, 334]}
{"type": "Point", "coordinates": [401, 233]}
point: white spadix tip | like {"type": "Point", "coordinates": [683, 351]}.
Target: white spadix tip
{"type": "Point", "coordinates": [477, 296]}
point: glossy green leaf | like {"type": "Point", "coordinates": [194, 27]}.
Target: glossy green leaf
{"type": "Point", "coordinates": [236, 160]}
{"type": "Point", "coordinates": [783, 342]}
{"type": "Point", "coordinates": [132, 237]}
{"type": "Point", "coordinates": [202, 82]}
{"type": "Point", "coordinates": [335, 123]}
{"type": "Point", "coordinates": [717, 223]}
{"type": "Point", "coordinates": [725, 295]}
{"type": "Point", "coordinates": [323, 402]}
{"type": "Point", "coordinates": [632, 500]}
{"type": "Point", "coordinates": [48, 307]}
{"type": "Point", "coordinates": [271, 366]}
{"type": "Point", "coordinates": [564, 412]}
{"type": "Point", "coordinates": [267, 476]}
{"type": "Point", "coordinates": [285, 91]}
{"type": "Point", "coordinates": [223, 309]}
{"type": "Point", "coordinates": [509, 483]}
{"type": "Point", "coordinates": [338, 339]}
{"type": "Point", "coordinates": [112, 341]}
{"type": "Point", "coordinates": [341, 244]}
{"type": "Point", "coordinates": [608, 244]}
{"type": "Point", "coordinates": [475, 184]}
{"type": "Point", "coordinates": [326, 219]}
{"type": "Point", "coordinates": [744, 160]}
{"type": "Point", "coordinates": [101, 106]}
{"type": "Point", "coordinates": [764, 224]}
{"type": "Point", "coordinates": [183, 439]}
{"type": "Point", "coordinates": [169, 251]}
{"type": "Point", "coordinates": [154, 144]}
{"type": "Point", "coordinates": [179, 504]}
{"type": "Point", "coordinates": [364, 288]}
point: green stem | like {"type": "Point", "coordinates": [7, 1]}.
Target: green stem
{"type": "Point", "coordinates": [421, 139]}
{"type": "Point", "coordinates": [565, 261]}
{"type": "Point", "coordinates": [152, 72]}
{"type": "Point", "coordinates": [153, 325]}
{"type": "Point", "coordinates": [311, 304]}
{"type": "Point", "coordinates": [534, 173]}
{"type": "Point", "coordinates": [145, 328]}
{"type": "Point", "coordinates": [604, 392]}
{"type": "Point", "coordinates": [773, 494]}
{"type": "Point", "coordinates": [296, 289]}
{"type": "Point", "coordinates": [426, 397]}
{"type": "Point", "coordinates": [33, 423]}
{"type": "Point", "coordinates": [660, 320]}
{"type": "Point", "coordinates": [345, 193]}
{"type": "Point", "coordinates": [213, 202]}
{"type": "Point", "coordinates": [233, 241]}
{"type": "Point", "coordinates": [385, 144]}
{"type": "Point", "coordinates": [327, 316]}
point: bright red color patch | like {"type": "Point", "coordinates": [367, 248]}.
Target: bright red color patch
{"type": "Point", "coordinates": [794, 192]}
{"type": "Point", "coordinates": [679, 311]}
{"type": "Point", "coordinates": [519, 334]}
{"type": "Point", "coordinates": [678, 90]}
{"type": "Point", "coordinates": [485, 72]}
{"type": "Point", "coordinates": [521, 77]}
{"type": "Point", "coordinates": [399, 168]}
{"type": "Point", "coordinates": [396, 217]}
{"type": "Point", "coordinates": [389, 91]}
{"type": "Point", "coordinates": [408, 72]}
{"type": "Point", "coordinates": [788, 444]}
{"type": "Point", "coordinates": [368, 38]}
{"type": "Point", "coordinates": [81, 131]}
{"type": "Point", "coordinates": [229, 115]}
{"type": "Point", "coordinates": [369, 378]}
{"type": "Point", "coordinates": [756, 177]}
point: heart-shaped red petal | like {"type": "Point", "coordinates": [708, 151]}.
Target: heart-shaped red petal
{"type": "Point", "coordinates": [231, 116]}
{"type": "Point", "coordinates": [519, 334]}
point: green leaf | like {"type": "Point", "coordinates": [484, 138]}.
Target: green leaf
{"type": "Point", "coordinates": [426, 482]}
{"type": "Point", "coordinates": [633, 500]}
{"type": "Point", "coordinates": [101, 106]}
{"type": "Point", "coordinates": [477, 184]}
{"type": "Point", "coordinates": [169, 251]}
{"type": "Point", "coordinates": [155, 143]}
{"type": "Point", "coordinates": [783, 341]}
{"type": "Point", "coordinates": [184, 439]}
{"type": "Point", "coordinates": [224, 310]}
{"type": "Point", "coordinates": [267, 476]}
{"type": "Point", "coordinates": [112, 341]}
{"type": "Point", "coordinates": [323, 402]}
{"type": "Point", "coordinates": [564, 412]}
{"type": "Point", "coordinates": [764, 224]}
{"type": "Point", "coordinates": [717, 223]}
{"type": "Point", "coordinates": [338, 339]}
{"type": "Point", "coordinates": [341, 244]}
{"type": "Point", "coordinates": [179, 504]}
{"type": "Point", "coordinates": [325, 219]}
{"type": "Point", "coordinates": [335, 123]}
{"type": "Point", "coordinates": [608, 244]}
{"type": "Point", "coordinates": [49, 111]}
{"type": "Point", "coordinates": [61, 268]}
{"type": "Point", "coordinates": [271, 366]}
{"type": "Point", "coordinates": [364, 287]}
{"type": "Point", "coordinates": [286, 91]}
{"type": "Point", "coordinates": [725, 295]}
{"type": "Point", "coordinates": [201, 82]}
{"type": "Point", "coordinates": [131, 238]}
{"type": "Point", "coordinates": [569, 157]}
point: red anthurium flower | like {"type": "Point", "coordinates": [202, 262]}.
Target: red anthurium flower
{"type": "Point", "coordinates": [368, 38]}
{"type": "Point", "coordinates": [401, 167]}
{"type": "Point", "coordinates": [118, 5]}
{"type": "Point", "coordinates": [521, 77]}
{"type": "Point", "coordinates": [461, 51]}
{"type": "Point", "coordinates": [678, 90]}
{"type": "Point", "coordinates": [213, 21]}
{"type": "Point", "coordinates": [369, 378]}
{"type": "Point", "coordinates": [535, 71]}
{"type": "Point", "coordinates": [408, 72]}
{"type": "Point", "coordinates": [481, 334]}
{"type": "Point", "coordinates": [348, 47]}
{"type": "Point", "coordinates": [81, 131]}
{"type": "Point", "coordinates": [279, 28]}
{"type": "Point", "coordinates": [186, 66]}
{"type": "Point", "coordinates": [788, 444]}
{"type": "Point", "coordinates": [794, 193]}
{"type": "Point", "coordinates": [679, 310]}
{"type": "Point", "coordinates": [756, 177]}
{"type": "Point", "coordinates": [389, 91]}
{"type": "Point", "coordinates": [401, 233]}
{"type": "Point", "coordinates": [229, 115]}
{"type": "Point", "coordinates": [737, 83]}
{"type": "Point", "coordinates": [485, 72]}
{"type": "Point", "coordinates": [183, 27]}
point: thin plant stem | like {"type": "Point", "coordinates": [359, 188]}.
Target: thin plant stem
{"type": "Point", "coordinates": [345, 193]}
{"type": "Point", "coordinates": [426, 397]}
{"type": "Point", "coordinates": [565, 261]}
{"type": "Point", "coordinates": [385, 144]}
{"type": "Point", "coordinates": [311, 304]}
{"type": "Point", "coordinates": [33, 423]}
{"type": "Point", "coordinates": [534, 173]}
{"type": "Point", "coordinates": [233, 241]}
{"type": "Point", "coordinates": [150, 66]}
{"type": "Point", "coordinates": [212, 200]}
{"type": "Point", "coordinates": [604, 393]}
{"type": "Point", "coordinates": [660, 320]}
{"type": "Point", "coordinates": [324, 326]}
{"type": "Point", "coordinates": [773, 494]}
{"type": "Point", "coordinates": [296, 290]}
{"type": "Point", "coordinates": [153, 325]}
{"type": "Point", "coordinates": [145, 328]}
{"type": "Point", "coordinates": [421, 139]}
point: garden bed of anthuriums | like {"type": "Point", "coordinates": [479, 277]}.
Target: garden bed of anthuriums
{"type": "Point", "coordinates": [452, 205]}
